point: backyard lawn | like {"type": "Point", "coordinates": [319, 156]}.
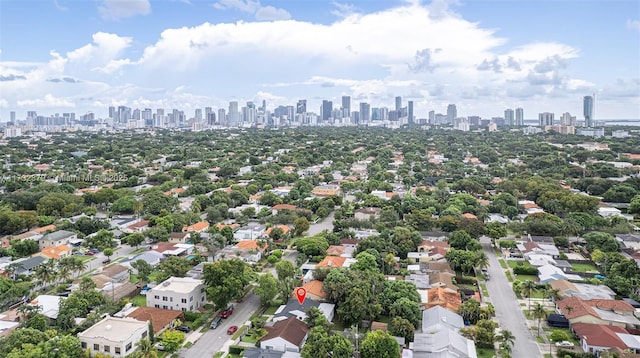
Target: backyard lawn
{"type": "Point", "coordinates": [140, 301]}
{"type": "Point", "coordinates": [584, 268]}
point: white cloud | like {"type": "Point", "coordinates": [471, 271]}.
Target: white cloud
{"type": "Point", "coordinates": [262, 13]}
{"type": "Point", "coordinates": [48, 101]}
{"type": "Point", "coordinates": [121, 9]}
{"type": "Point", "coordinates": [270, 13]}
{"type": "Point", "coordinates": [343, 10]}
{"type": "Point", "coordinates": [633, 24]}
{"type": "Point", "coordinates": [4, 103]}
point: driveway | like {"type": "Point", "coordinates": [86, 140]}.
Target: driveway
{"type": "Point", "coordinates": [508, 311]}
{"type": "Point", "coordinates": [326, 224]}
{"type": "Point", "coordinates": [217, 340]}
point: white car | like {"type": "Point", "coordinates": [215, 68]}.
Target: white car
{"type": "Point", "coordinates": [564, 344]}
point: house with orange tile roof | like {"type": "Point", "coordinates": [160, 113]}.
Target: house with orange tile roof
{"type": "Point", "coordinates": [469, 216]}
{"type": "Point", "coordinates": [44, 229]}
{"type": "Point", "coordinates": [326, 190]}
{"type": "Point", "coordinates": [175, 192]}
{"type": "Point", "coordinates": [197, 227]}
{"type": "Point", "coordinates": [233, 226]}
{"type": "Point", "coordinates": [443, 297]}
{"type": "Point", "coordinates": [54, 252]}
{"type": "Point", "coordinates": [596, 338]}
{"type": "Point", "coordinates": [246, 250]}
{"type": "Point", "coordinates": [335, 250]}
{"type": "Point", "coordinates": [598, 311]}
{"type": "Point", "coordinates": [140, 226]}
{"type": "Point", "coordinates": [160, 319]}
{"type": "Point", "coordinates": [314, 290]}
{"type": "Point", "coordinates": [331, 262]}
{"type": "Point", "coordinates": [286, 230]}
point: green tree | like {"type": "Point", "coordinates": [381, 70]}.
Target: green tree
{"type": "Point", "coordinates": [407, 309]}
{"type": "Point", "coordinates": [267, 288]}
{"type": "Point", "coordinates": [379, 344]}
{"type": "Point", "coordinates": [401, 327]}
{"type": "Point", "coordinates": [301, 224]}
{"type": "Point", "coordinates": [539, 313]}
{"type": "Point", "coordinates": [527, 289]}
{"type": "Point", "coordinates": [145, 349]}
{"type": "Point", "coordinates": [135, 239]}
{"type": "Point", "coordinates": [108, 252]}
{"type": "Point", "coordinates": [226, 280]}
{"type": "Point", "coordinates": [173, 266]}
{"type": "Point", "coordinates": [172, 340]}
{"type": "Point", "coordinates": [495, 231]}
{"type": "Point", "coordinates": [144, 270]}
{"type": "Point", "coordinates": [365, 262]}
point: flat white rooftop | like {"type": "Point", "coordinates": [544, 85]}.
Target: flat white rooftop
{"type": "Point", "coordinates": [178, 284]}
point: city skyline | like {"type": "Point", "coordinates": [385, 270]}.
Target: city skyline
{"type": "Point", "coordinates": [483, 56]}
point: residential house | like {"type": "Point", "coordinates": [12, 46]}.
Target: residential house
{"type": "Point", "coordinates": [116, 337]}
{"type": "Point", "coordinates": [434, 235]}
{"type": "Point", "coordinates": [27, 266]}
{"type": "Point", "coordinates": [286, 230]}
{"type": "Point", "coordinates": [326, 190]}
{"type": "Point", "coordinates": [55, 252]}
{"type": "Point", "coordinates": [314, 290]}
{"type": "Point", "coordinates": [197, 227]}
{"type": "Point", "coordinates": [370, 213]}
{"type": "Point", "coordinates": [293, 309]}
{"type": "Point", "coordinates": [549, 273]}
{"type": "Point", "coordinates": [180, 237]}
{"type": "Point", "coordinates": [122, 223]}
{"type": "Point", "coordinates": [56, 238]}
{"type": "Point", "coordinates": [285, 336]}
{"type": "Point", "coordinates": [139, 226]}
{"type": "Point", "coordinates": [251, 232]}
{"type": "Point", "coordinates": [179, 293]}
{"type": "Point", "coordinates": [49, 305]}
{"type": "Point", "coordinates": [151, 257]}
{"type": "Point", "coordinates": [440, 336]}
{"type": "Point", "coordinates": [160, 319]}
{"type": "Point", "coordinates": [116, 272]}
{"type": "Point", "coordinates": [256, 352]}
{"type": "Point", "coordinates": [596, 338]}
{"type": "Point", "coordinates": [582, 290]}
{"type": "Point", "coordinates": [331, 262]}
{"type": "Point", "coordinates": [280, 207]}
{"type": "Point", "coordinates": [597, 311]}
{"type": "Point", "coordinates": [444, 297]}
{"type": "Point", "coordinates": [629, 241]}
{"type": "Point", "coordinates": [532, 247]}
{"type": "Point", "coordinates": [171, 249]}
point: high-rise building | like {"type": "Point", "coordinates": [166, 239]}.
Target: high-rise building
{"type": "Point", "coordinates": [346, 106]}
{"type": "Point", "coordinates": [12, 117]}
{"type": "Point", "coordinates": [365, 112]}
{"type": "Point", "coordinates": [234, 115]}
{"type": "Point", "coordinates": [301, 107]}
{"type": "Point", "coordinates": [452, 113]}
{"type": "Point", "coordinates": [567, 119]}
{"type": "Point", "coordinates": [432, 117]}
{"type": "Point", "coordinates": [509, 117]}
{"type": "Point", "coordinates": [519, 117]}
{"type": "Point", "coordinates": [222, 117]}
{"type": "Point", "coordinates": [545, 119]}
{"type": "Point", "coordinates": [410, 112]}
{"type": "Point", "coordinates": [398, 103]}
{"type": "Point", "coordinates": [588, 103]}
{"type": "Point", "coordinates": [198, 114]}
{"type": "Point", "coordinates": [325, 110]}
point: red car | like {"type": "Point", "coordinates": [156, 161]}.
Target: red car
{"type": "Point", "coordinates": [106, 261]}
{"type": "Point", "coordinates": [226, 313]}
{"type": "Point", "coordinates": [89, 253]}
{"type": "Point", "coordinates": [232, 329]}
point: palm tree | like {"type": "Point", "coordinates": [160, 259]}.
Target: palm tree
{"type": "Point", "coordinates": [28, 311]}
{"type": "Point", "coordinates": [505, 350]}
{"type": "Point", "coordinates": [528, 287]}
{"type": "Point", "coordinates": [46, 273]}
{"type": "Point", "coordinates": [145, 350]}
{"type": "Point", "coordinates": [137, 208]}
{"type": "Point", "coordinates": [65, 267]}
{"type": "Point", "coordinates": [481, 260]}
{"type": "Point", "coordinates": [539, 313]}
{"type": "Point", "coordinates": [78, 266]}
{"type": "Point", "coordinates": [507, 337]}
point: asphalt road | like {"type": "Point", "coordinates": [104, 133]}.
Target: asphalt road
{"type": "Point", "coordinates": [213, 340]}
{"type": "Point", "coordinates": [326, 224]}
{"type": "Point", "coordinates": [124, 250]}
{"type": "Point", "coordinates": [508, 311]}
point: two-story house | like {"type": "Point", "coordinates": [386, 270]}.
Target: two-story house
{"type": "Point", "coordinates": [56, 238]}
{"type": "Point", "coordinates": [178, 293]}
{"type": "Point", "coordinates": [115, 337]}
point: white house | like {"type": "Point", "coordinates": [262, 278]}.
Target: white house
{"type": "Point", "coordinates": [57, 238]}
{"type": "Point", "coordinates": [178, 293]}
{"type": "Point", "coordinates": [249, 232]}
{"type": "Point", "coordinates": [116, 337]}
{"type": "Point", "coordinates": [285, 336]}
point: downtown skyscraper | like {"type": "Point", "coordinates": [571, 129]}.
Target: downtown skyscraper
{"type": "Point", "coordinates": [588, 102]}
{"type": "Point", "coordinates": [519, 117]}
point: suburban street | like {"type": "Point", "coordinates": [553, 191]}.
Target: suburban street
{"type": "Point", "coordinates": [96, 262]}
{"type": "Point", "coordinates": [326, 224]}
{"type": "Point", "coordinates": [508, 312]}
{"type": "Point", "coordinates": [214, 340]}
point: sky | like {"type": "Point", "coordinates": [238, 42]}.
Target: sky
{"type": "Point", "coordinates": [484, 56]}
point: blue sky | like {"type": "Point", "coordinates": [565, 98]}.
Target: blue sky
{"type": "Point", "coordinates": [485, 56]}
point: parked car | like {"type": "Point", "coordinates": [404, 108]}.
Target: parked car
{"type": "Point", "coordinates": [95, 251]}
{"type": "Point", "coordinates": [106, 261]}
{"type": "Point", "coordinates": [215, 323]}
{"type": "Point", "coordinates": [227, 312]}
{"type": "Point", "coordinates": [232, 329]}
{"type": "Point", "coordinates": [184, 329]}
{"type": "Point", "coordinates": [89, 253]}
{"type": "Point", "coordinates": [564, 344]}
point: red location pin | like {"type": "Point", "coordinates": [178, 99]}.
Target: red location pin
{"type": "Point", "coordinates": [301, 293]}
